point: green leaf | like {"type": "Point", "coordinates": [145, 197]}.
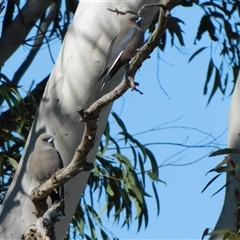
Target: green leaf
{"type": "Point", "coordinates": [139, 145]}
{"type": "Point", "coordinates": [205, 233]}
{"type": "Point", "coordinates": [196, 53]}
{"type": "Point", "coordinates": [138, 208]}
{"type": "Point", "coordinates": [153, 161]}
{"type": "Point", "coordinates": [137, 193]}
{"type": "Point", "coordinates": [135, 158]}
{"type": "Point", "coordinates": [13, 162]}
{"type": "Point", "coordinates": [209, 74]}
{"type": "Point", "coordinates": [107, 138]}
{"type": "Point", "coordinates": [109, 190]}
{"type": "Point", "coordinates": [104, 235]}
{"type": "Point", "coordinates": [174, 28]}
{"type": "Point", "coordinates": [227, 235]}
{"type": "Point", "coordinates": [225, 151]}
{"type": "Point", "coordinates": [142, 169]}
{"type": "Point", "coordinates": [154, 177]}
{"type": "Point", "coordinates": [228, 30]}
{"type": "Point", "coordinates": [219, 232]}
{"type": "Point", "coordinates": [210, 182]}
{"type": "Point", "coordinates": [220, 189]}
{"type": "Point", "coordinates": [121, 125]}
{"type": "Point", "coordinates": [157, 198]}
{"type": "Point", "coordinates": [217, 14]}
{"type": "Point", "coordinates": [123, 159]}
{"type": "Point", "coordinates": [217, 84]}
{"type": "Point", "coordinates": [116, 145]}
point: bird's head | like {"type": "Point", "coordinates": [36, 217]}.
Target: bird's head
{"type": "Point", "coordinates": [44, 139]}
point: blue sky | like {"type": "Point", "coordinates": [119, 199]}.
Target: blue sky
{"type": "Point", "coordinates": [185, 211]}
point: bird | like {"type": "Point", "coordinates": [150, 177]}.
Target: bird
{"type": "Point", "coordinates": [123, 47]}
{"type": "Point", "coordinates": [44, 161]}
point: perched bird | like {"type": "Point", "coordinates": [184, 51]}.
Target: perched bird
{"type": "Point", "coordinates": [44, 161]}
{"type": "Point", "coordinates": [123, 47]}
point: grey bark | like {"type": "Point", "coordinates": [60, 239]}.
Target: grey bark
{"type": "Point", "coordinates": [229, 218]}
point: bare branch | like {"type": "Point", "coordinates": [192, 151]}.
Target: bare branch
{"type": "Point", "coordinates": [91, 115]}
{"type": "Point", "coordinates": [121, 12]}
{"type": "Point", "coordinates": [44, 229]}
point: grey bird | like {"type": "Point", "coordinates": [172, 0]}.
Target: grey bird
{"type": "Point", "coordinates": [123, 47]}
{"type": "Point", "coordinates": [44, 161]}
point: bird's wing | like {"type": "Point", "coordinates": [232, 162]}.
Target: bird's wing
{"type": "Point", "coordinates": [119, 43]}
{"type": "Point", "coordinates": [47, 161]}
{"type": "Point", "coordinates": [122, 40]}
{"type": "Point", "coordinates": [114, 63]}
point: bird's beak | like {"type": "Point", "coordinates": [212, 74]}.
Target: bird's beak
{"type": "Point", "coordinates": [50, 140]}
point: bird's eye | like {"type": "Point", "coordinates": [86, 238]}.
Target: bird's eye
{"type": "Point", "coordinates": [50, 140]}
{"type": "Point", "coordinates": [139, 20]}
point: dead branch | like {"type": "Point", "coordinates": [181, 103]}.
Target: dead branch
{"type": "Point", "coordinates": [44, 229]}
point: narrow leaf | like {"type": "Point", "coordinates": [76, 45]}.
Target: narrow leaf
{"type": "Point", "coordinates": [121, 125]}
{"type": "Point", "coordinates": [210, 182]}
{"type": "Point", "coordinates": [156, 198]}
{"type": "Point", "coordinates": [209, 74]}
{"type": "Point", "coordinates": [109, 190]}
{"type": "Point", "coordinates": [196, 53]}
{"type": "Point", "coordinates": [13, 162]}
{"type": "Point", "coordinates": [205, 233]}
{"type": "Point", "coordinates": [217, 84]}
{"type": "Point", "coordinates": [219, 190]}
{"type": "Point", "coordinates": [123, 159]}
{"type": "Point", "coordinates": [225, 151]}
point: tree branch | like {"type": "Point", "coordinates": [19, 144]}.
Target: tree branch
{"type": "Point", "coordinates": [90, 117]}
{"type": "Point", "coordinates": [44, 229]}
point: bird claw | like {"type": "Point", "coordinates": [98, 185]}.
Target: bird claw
{"type": "Point", "coordinates": [133, 85]}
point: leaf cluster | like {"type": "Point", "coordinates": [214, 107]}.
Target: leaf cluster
{"type": "Point", "coordinates": [220, 20]}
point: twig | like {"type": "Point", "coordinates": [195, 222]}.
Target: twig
{"type": "Point", "coordinates": [121, 12]}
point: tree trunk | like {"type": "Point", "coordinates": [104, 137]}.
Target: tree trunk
{"type": "Point", "coordinates": [230, 218]}
{"type": "Point", "coordinates": [73, 83]}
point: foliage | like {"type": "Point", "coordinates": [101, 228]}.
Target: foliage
{"type": "Point", "coordinates": [227, 165]}
{"type": "Point", "coordinates": [226, 234]}
{"type": "Point", "coordinates": [220, 21]}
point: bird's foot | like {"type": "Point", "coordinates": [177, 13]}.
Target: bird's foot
{"type": "Point", "coordinates": [133, 85]}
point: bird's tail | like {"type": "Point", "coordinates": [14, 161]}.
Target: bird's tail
{"type": "Point", "coordinates": [58, 195]}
